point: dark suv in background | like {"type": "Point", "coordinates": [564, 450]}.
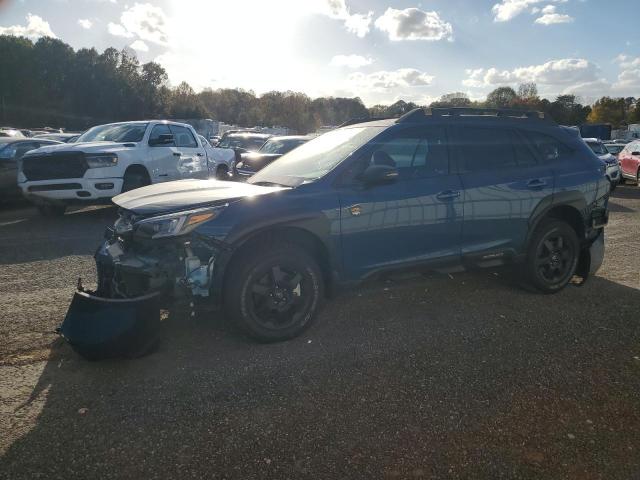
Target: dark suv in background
{"type": "Point", "coordinates": [438, 189]}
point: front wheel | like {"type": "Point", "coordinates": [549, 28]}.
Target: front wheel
{"type": "Point", "coordinates": [222, 172]}
{"type": "Point", "coordinates": [552, 257]}
{"type": "Point", "coordinates": [274, 293]}
{"type": "Point", "coordinates": [133, 180]}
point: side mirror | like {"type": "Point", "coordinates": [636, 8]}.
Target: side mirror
{"type": "Point", "coordinates": [379, 175]}
{"type": "Point", "coordinates": [164, 139]}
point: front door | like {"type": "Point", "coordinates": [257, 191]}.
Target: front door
{"type": "Point", "coordinates": [411, 221]}
{"type": "Point", "coordinates": [503, 183]}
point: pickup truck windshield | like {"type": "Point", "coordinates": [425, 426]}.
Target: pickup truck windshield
{"type": "Point", "coordinates": [127, 132]}
{"type": "Point", "coordinates": [317, 157]}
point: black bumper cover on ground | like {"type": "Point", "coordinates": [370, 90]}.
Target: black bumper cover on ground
{"type": "Point", "coordinates": [99, 328]}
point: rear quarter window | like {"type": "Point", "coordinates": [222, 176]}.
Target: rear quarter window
{"type": "Point", "coordinates": [547, 147]}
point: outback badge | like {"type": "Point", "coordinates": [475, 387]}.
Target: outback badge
{"type": "Point", "coordinates": [355, 210]}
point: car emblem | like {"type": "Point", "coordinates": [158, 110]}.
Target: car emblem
{"type": "Point", "coordinates": [355, 210]}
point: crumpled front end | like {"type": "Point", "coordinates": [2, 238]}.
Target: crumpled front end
{"type": "Point", "coordinates": [137, 276]}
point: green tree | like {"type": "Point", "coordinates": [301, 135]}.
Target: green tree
{"type": "Point", "coordinates": [501, 97]}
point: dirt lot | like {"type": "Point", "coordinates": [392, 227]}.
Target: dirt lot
{"type": "Point", "coordinates": [438, 377]}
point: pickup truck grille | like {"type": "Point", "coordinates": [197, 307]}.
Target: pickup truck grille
{"type": "Point", "coordinates": [54, 166]}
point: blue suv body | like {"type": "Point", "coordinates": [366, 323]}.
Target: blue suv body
{"type": "Point", "coordinates": [437, 189]}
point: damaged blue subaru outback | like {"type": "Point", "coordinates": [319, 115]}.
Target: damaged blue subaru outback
{"type": "Point", "coordinates": [439, 189]}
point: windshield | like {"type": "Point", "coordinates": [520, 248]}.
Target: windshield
{"type": "Point", "coordinates": [317, 157]}
{"type": "Point", "coordinates": [123, 132]}
{"type": "Point", "coordinates": [615, 149]}
{"type": "Point", "coordinates": [598, 148]}
{"type": "Point", "coordinates": [280, 147]}
{"type": "Point", "coordinates": [245, 142]}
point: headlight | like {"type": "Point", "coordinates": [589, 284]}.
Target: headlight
{"type": "Point", "coordinates": [102, 160]}
{"type": "Point", "coordinates": [176, 224]}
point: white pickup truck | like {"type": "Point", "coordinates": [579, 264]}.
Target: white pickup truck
{"type": "Point", "coordinates": [110, 159]}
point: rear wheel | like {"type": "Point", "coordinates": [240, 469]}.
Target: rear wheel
{"type": "Point", "coordinates": [135, 179]}
{"type": "Point", "coordinates": [552, 256]}
{"type": "Point", "coordinates": [50, 210]}
{"type": "Point", "coordinates": [274, 293]}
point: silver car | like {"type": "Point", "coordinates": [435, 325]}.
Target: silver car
{"type": "Point", "coordinates": [611, 161]}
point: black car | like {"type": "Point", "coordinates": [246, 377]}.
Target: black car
{"type": "Point", "coordinates": [273, 149]}
{"type": "Point", "coordinates": [243, 141]}
{"type": "Point", "coordinates": [443, 189]}
{"type": "Point", "coordinates": [11, 151]}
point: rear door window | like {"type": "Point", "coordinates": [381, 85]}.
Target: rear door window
{"type": "Point", "coordinates": [483, 149]}
{"type": "Point", "coordinates": [547, 147]}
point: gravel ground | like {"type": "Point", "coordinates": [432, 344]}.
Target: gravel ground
{"type": "Point", "coordinates": [463, 376]}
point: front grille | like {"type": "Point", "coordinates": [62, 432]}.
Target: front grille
{"type": "Point", "coordinates": [54, 166]}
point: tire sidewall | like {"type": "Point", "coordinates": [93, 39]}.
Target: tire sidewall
{"type": "Point", "coordinates": [134, 180]}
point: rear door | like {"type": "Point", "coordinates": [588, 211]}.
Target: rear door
{"type": "Point", "coordinates": [503, 182]}
{"type": "Point", "coordinates": [192, 161]}
{"type": "Point", "coordinates": [417, 218]}
{"type": "Point", "coordinates": [164, 158]}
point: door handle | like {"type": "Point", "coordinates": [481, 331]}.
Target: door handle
{"type": "Point", "coordinates": [200, 154]}
{"type": "Point", "coordinates": [536, 183]}
{"type": "Point", "coordinates": [448, 195]}
{"type": "Point", "coordinates": [177, 154]}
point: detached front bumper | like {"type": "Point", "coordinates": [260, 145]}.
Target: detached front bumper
{"type": "Point", "coordinates": [98, 328]}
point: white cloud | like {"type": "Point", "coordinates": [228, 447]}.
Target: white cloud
{"type": "Point", "coordinates": [563, 72]}
{"type": "Point", "coordinates": [629, 77]}
{"type": "Point", "coordinates": [509, 9]}
{"type": "Point", "coordinates": [357, 23]}
{"type": "Point", "coordinates": [142, 20]}
{"type": "Point", "coordinates": [414, 24]}
{"type": "Point", "coordinates": [118, 30]}
{"type": "Point", "coordinates": [36, 27]}
{"type": "Point", "coordinates": [140, 46]}
{"type": "Point", "coordinates": [386, 80]}
{"type": "Point", "coordinates": [85, 23]}
{"type": "Point", "coordinates": [350, 61]}
{"type": "Point", "coordinates": [551, 17]}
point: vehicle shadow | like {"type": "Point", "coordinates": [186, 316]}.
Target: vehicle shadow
{"type": "Point", "coordinates": [411, 378]}
{"type": "Point", "coordinates": [26, 236]}
{"type": "Point", "coordinates": [627, 191]}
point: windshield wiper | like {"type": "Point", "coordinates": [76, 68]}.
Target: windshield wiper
{"type": "Point", "coordinates": [271, 184]}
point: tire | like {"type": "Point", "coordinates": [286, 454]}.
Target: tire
{"type": "Point", "coordinates": [133, 180]}
{"type": "Point", "coordinates": [613, 186]}
{"type": "Point", "coordinates": [274, 293]}
{"type": "Point", "coordinates": [50, 210]}
{"type": "Point", "coordinates": [552, 256]}
{"type": "Point", "coordinates": [222, 172]}
{"type": "Point", "coordinates": [622, 180]}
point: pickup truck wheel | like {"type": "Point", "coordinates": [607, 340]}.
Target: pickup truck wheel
{"type": "Point", "coordinates": [133, 180]}
{"type": "Point", "coordinates": [552, 256]}
{"type": "Point", "coordinates": [274, 293]}
{"type": "Point", "coordinates": [52, 210]}
{"type": "Point", "coordinates": [222, 172]}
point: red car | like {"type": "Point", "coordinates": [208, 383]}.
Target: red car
{"type": "Point", "coordinates": [630, 162]}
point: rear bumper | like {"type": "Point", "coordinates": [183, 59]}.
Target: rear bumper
{"type": "Point", "coordinates": [77, 189]}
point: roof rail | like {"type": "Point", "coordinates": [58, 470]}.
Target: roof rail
{"type": "Point", "coordinates": [420, 113]}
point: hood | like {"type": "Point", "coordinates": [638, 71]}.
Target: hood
{"type": "Point", "coordinates": [255, 160]}
{"type": "Point", "coordinates": [89, 147]}
{"type": "Point", "coordinates": [186, 194]}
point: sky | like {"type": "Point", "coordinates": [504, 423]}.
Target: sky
{"type": "Point", "coordinates": [379, 50]}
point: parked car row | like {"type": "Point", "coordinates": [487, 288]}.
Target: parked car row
{"type": "Point", "coordinates": [55, 170]}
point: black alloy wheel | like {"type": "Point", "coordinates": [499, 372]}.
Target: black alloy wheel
{"type": "Point", "coordinates": [273, 291]}
{"type": "Point", "coordinates": [553, 256]}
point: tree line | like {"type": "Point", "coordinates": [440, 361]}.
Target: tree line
{"type": "Point", "coordinates": [48, 83]}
